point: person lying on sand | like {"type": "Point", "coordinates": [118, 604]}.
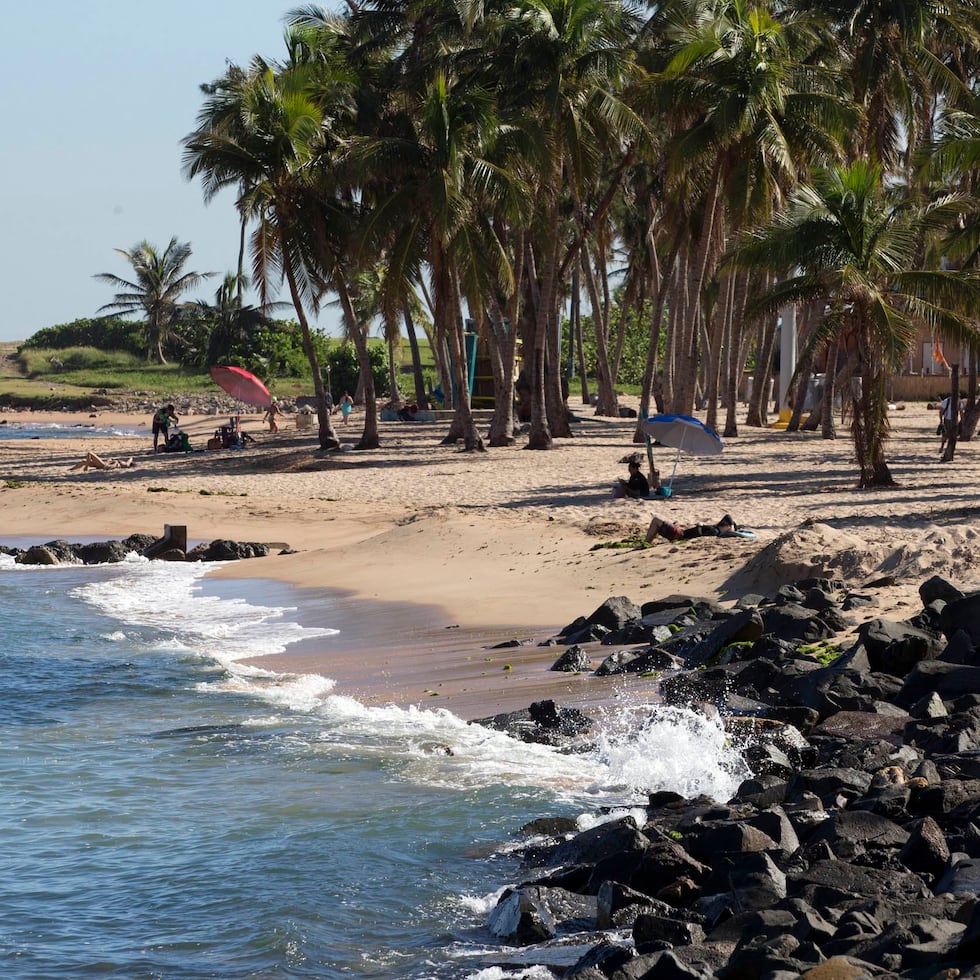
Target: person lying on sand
{"type": "Point", "coordinates": [93, 461]}
{"type": "Point", "coordinates": [674, 532]}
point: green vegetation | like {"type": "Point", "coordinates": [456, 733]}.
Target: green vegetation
{"type": "Point", "coordinates": [62, 372]}
{"type": "Point", "coordinates": [623, 544]}
{"type": "Point", "coordinates": [104, 333]}
{"type": "Point", "coordinates": [824, 651]}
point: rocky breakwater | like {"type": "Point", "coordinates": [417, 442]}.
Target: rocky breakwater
{"type": "Point", "coordinates": [853, 849]}
{"type": "Point", "coordinates": [160, 549]}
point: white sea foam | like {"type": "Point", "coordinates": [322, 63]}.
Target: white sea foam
{"type": "Point", "coordinates": [637, 749]}
{"type": "Point", "coordinates": [636, 752]}
{"type": "Point", "coordinates": [497, 973]}
{"type": "Point", "coordinates": [481, 905]}
{"type": "Point", "coordinates": [666, 748]}
{"type": "Point", "coordinates": [589, 820]}
{"type": "Point", "coordinates": [167, 597]}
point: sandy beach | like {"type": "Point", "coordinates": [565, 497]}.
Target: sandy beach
{"type": "Point", "coordinates": [439, 555]}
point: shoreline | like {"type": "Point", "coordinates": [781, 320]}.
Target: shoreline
{"type": "Point", "coordinates": [436, 554]}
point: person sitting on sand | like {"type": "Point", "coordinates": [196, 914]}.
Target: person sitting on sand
{"type": "Point", "coordinates": [162, 420]}
{"type": "Point", "coordinates": [93, 461]}
{"type": "Point", "coordinates": [674, 532]}
{"type": "Point", "coordinates": [636, 486]}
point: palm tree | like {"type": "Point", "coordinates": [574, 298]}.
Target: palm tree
{"type": "Point", "coordinates": [747, 116]}
{"type": "Point", "coordinates": [158, 284]}
{"type": "Point", "coordinates": [898, 57]}
{"type": "Point", "coordinates": [233, 324]}
{"type": "Point", "coordinates": [267, 148]}
{"type": "Point", "coordinates": [854, 242]}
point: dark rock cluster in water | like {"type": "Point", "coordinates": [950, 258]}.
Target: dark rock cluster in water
{"type": "Point", "coordinates": [852, 851]}
{"type": "Point", "coordinates": [107, 552]}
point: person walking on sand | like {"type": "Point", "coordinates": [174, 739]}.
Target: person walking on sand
{"type": "Point", "coordinates": [270, 415]}
{"type": "Point", "coordinates": [346, 405]}
{"type": "Point", "coordinates": [162, 420]}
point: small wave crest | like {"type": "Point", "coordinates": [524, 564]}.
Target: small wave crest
{"type": "Point", "coordinates": [636, 751]}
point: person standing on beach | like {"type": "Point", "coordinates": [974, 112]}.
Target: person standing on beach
{"type": "Point", "coordinates": [947, 420]}
{"type": "Point", "coordinates": [346, 405]}
{"type": "Point", "coordinates": [271, 412]}
{"type": "Point", "coordinates": [162, 420]}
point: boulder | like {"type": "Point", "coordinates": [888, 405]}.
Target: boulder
{"type": "Point", "coordinates": [573, 660]}
{"type": "Point", "coordinates": [614, 613]}
{"type": "Point", "coordinates": [102, 552]}
{"type": "Point", "coordinates": [962, 614]}
{"type": "Point", "coordinates": [37, 555]}
{"type": "Point", "coordinates": [593, 845]}
{"type": "Point", "coordinates": [895, 648]}
{"type": "Point", "coordinates": [946, 680]}
{"type": "Point", "coordinates": [224, 550]}
{"type": "Point", "coordinates": [926, 850]}
{"type": "Point", "coordinates": [937, 587]}
{"type": "Point", "coordinates": [533, 914]}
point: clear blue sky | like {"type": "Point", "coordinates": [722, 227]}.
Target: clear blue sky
{"type": "Point", "coordinates": [97, 98]}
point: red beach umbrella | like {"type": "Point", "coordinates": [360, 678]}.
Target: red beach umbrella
{"type": "Point", "coordinates": [241, 384]}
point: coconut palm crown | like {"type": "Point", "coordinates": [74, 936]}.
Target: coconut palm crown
{"type": "Point", "coordinates": [853, 244]}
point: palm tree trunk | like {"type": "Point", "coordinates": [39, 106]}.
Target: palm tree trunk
{"type": "Point", "coordinates": [804, 369]}
{"type": "Point", "coordinates": [503, 348]}
{"type": "Point", "coordinates": [328, 438]}
{"type": "Point", "coordinates": [391, 328]}
{"type": "Point", "coordinates": [716, 348]}
{"type": "Point", "coordinates": [555, 390]}
{"type": "Point", "coordinates": [952, 423]}
{"type": "Point", "coordinates": [661, 278]}
{"type": "Point", "coordinates": [676, 308]}
{"type": "Point", "coordinates": [421, 398]}
{"type": "Point", "coordinates": [870, 424]}
{"type": "Point", "coordinates": [575, 331]}
{"type": "Point", "coordinates": [608, 402]}
{"type": "Point", "coordinates": [737, 352]}
{"type": "Point", "coordinates": [539, 433]}
{"type": "Point", "coordinates": [684, 394]}
{"type": "Point", "coordinates": [450, 314]}
{"type": "Point", "coordinates": [828, 429]}
{"type": "Point", "coordinates": [759, 403]}
{"type": "Point", "coordinates": [370, 438]}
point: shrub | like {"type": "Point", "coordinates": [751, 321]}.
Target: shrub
{"type": "Point", "coordinates": [39, 362]}
{"type": "Point", "coordinates": [344, 369]}
{"type": "Point", "coordinates": [105, 333]}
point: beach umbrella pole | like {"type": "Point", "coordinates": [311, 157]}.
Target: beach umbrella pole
{"type": "Point", "coordinates": [676, 461]}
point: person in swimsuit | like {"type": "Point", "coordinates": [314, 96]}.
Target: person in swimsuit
{"type": "Point", "coordinates": [674, 532]}
{"type": "Point", "coordinates": [162, 421]}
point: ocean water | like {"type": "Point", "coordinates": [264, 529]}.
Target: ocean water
{"type": "Point", "coordinates": [169, 812]}
{"type": "Point", "coordinates": [34, 430]}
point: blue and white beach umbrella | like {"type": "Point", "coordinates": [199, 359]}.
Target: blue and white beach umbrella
{"type": "Point", "coordinates": [684, 433]}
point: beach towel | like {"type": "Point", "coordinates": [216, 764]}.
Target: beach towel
{"type": "Point", "coordinates": [742, 532]}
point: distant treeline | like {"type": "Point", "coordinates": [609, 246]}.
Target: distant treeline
{"type": "Point", "coordinates": [273, 349]}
